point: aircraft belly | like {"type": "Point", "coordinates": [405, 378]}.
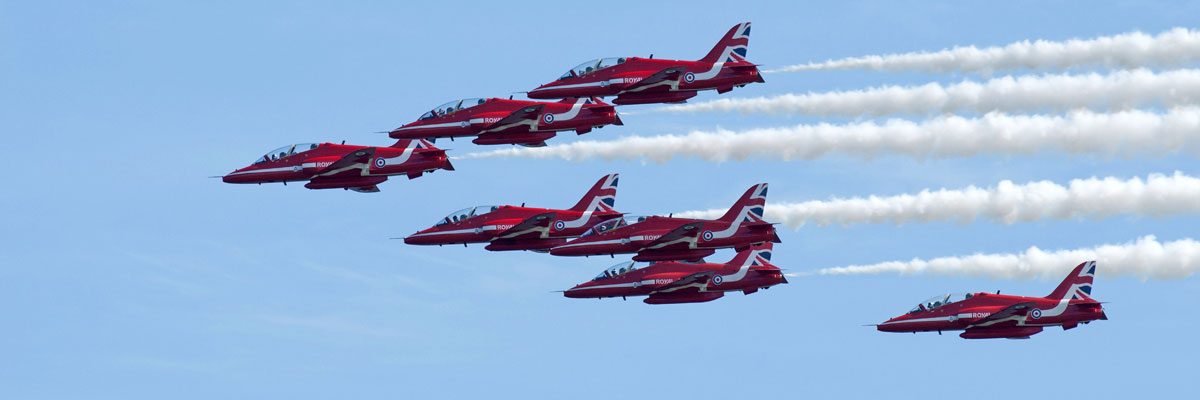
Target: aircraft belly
{"type": "Point", "coordinates": [525, 244]}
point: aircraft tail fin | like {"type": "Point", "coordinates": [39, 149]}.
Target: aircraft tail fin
{"type": "Point", "coordinates": [598, 104]}
{"type": "Point", "coordinates": [749, 208]}
{"type": "Point", "coordinates": [1078, 284]}
{"type": "Point", "coordinates": [427, 145]}
{"type": "Point", "coordinates": [601, 197]}
{"type": "Point", "coordinates": [419, 144]}
{"type": "Point", "coordinates": [732, 47]}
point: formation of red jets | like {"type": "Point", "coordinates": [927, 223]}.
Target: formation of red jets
{"type": "Point", "coordinates": [667, 265]}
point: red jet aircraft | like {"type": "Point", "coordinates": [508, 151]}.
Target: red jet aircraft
{"type": "Point", "coordinates": [520, 227]}
{"type": "Point", "coordinates": [507, 121]}
{"type": "Point", "coordinates": [665, 238]}
{"type": "Point", "coordinates": [672, 282]}
{"type": "Point", "coordinates": [990, 316]}
{"type": "Point", "coordinates": [636, 80]}
{"type": "Point", "coordinates": [341, 166]}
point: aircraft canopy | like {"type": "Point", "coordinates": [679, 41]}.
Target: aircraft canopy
{"type": "Point", "coordinates": [593, 66]}
{"type": "Point", "coordinates": [452, 107]}
{"type": "Point", "coordinates": [940, 301]}
{"type": "Point", "coordinates": [613, 223]}
{"type": "Point", "coordinates": [619, 269]}
{"type": "Point", "coordinates": [286, 151]}
{"type": "Point", "coordinates": [465, 213]}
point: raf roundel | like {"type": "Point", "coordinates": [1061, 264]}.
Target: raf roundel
{"type": "Point", "coordinates": [1036, 313]}
{"type": "Point", "coordinates": [559, 225]}
{"type": "Point", "coordinates": [716, 280]}
{"type": "Point", "coordinates": [380, 162]}
{"type": "Point", "coordinates": [708, 235]}
{"type": "Point", "coordinates": [689, 77]}
{"type": "Point", "coordinates": [548, 118]}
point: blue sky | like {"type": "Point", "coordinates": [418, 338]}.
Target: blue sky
{"type": "Point", "coordinates": [126, 273]}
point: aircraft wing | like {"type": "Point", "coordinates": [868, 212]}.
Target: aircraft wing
{"type": "Point", "coordinates": [353, 164]}
{"type": "Point", "coordinates": [665, 74]}
{"type": "Point", "coordinates": [1015, 309]}
{"type": "Point", "coordinates": [693, 281]}
{"type": "Point", "coordinates": [535, 227]}
{"type": "Point", "coordinates": [681, 237]}
{"type": "Point", "coordinates": [520, 115]}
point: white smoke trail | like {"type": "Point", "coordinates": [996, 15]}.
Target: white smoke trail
{"type": "Point", "coordinates": [1145, 258]}
{"type": "Point", "coordinates": [1122, 133]}
{"type": "Point", "coordinates": [1094, 198]}
{"type": "Point", "coordinates": [1171, 48]}
{"type": "Point", "coordinates": [1116, 90]}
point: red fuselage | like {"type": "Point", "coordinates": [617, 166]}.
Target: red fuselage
{"type": "Point", "coordinates": [625, 80]}
{"type": "Point", "coordinates": [681, 282]}
{"type": "Point", "coordinates": [967, 314]}
{"type": "Point", "coordinates": [506, 121]}
{"type": "Point", "coordinates": [313, 161]}
{"type": "Point", "coordinates": [488, 227]}
{"type": "Point", "coordinates": [645, 238]}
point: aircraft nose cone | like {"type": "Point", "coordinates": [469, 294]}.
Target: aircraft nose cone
{"type": "Point", "coordinates": [888, 326]}
{"type": "Point", "coordinates": [231, 178]}
{"type": "Point", "coordinates": [539, 93]}
{"type": "Point", "coordinates": [417, 239]}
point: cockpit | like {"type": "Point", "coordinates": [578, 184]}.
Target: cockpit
{"type": "Point", "coordinates": [593, 66]}
{"type": "Point", "coordinates": [463, 214]}
{"type": "Point", "coordinates": [286, 151]}
{"type": "Point", "coordinates": [940, 301]}
{"type": "Point", "coordinates": [619, 269]}
{"type": "Point", "coordinates": [613, 224]}
{"type": "Point", "coordinates": [452, 107]}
